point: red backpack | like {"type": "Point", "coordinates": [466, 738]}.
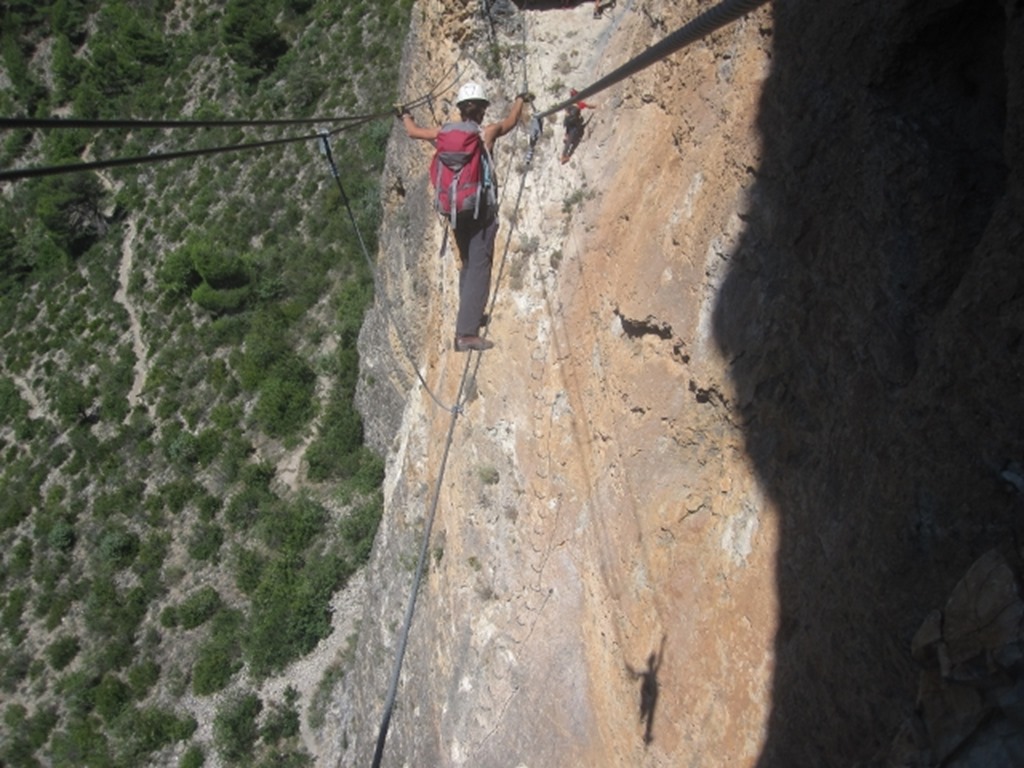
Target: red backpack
{"type": "Point", "coordinates": [461, 171]}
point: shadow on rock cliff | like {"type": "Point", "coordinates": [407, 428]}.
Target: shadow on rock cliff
{"type": "Point", "coordinates": [872, 317]}
{"type": "Point", "coordinates": [649, 689]}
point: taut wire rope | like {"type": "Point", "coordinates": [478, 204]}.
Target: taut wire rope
{"type": "Point", "coordinates": [155, 157]}
{"type": "Point", "coordinates": [424, 547]}
{"type": "Point", "coordinates": [325, 147]}
{"type": "Point", "coordinates": [403, 637]}
{"type": "Point", "coordinates": [77, 122]}
{"type": "Point", "coordinates": [702, 26]}
{"type": "Point", "coordinates": [350, 122]}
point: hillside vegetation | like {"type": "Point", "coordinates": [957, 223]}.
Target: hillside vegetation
{"type": "Point", "coordinates": [184, 483]}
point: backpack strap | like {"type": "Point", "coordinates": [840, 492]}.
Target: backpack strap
{"type": "Point", "coordinates": [453, 191]}
{"type": "Point", "coordinates": [444, 242]}
{"type": "Point", "coordinates": [489, 182]}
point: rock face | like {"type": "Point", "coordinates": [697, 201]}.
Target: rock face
{"type": "Point", "coordinates": [756, 390]}
{"type": "Point", "coordinates": [970, 696]}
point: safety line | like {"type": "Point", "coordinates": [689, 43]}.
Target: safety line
{"type": "Point", "coordinates": [158, 157]}
{"type": "Point", "coordinates": [432, 514]}
{"type": "Point", "coordinates": [403, 638]}
{"type": "Point", "coordinates": [703, 25]}
{"type": "Point", "coordinates": [410, 607]}
{"type": "Point", "coordinates": [58, 123]}
{"type": "Point", "coordinates": [76, 122]}
{"type": "Point", "coordinates": [155, 157]}
{"type": "Point", "coordinates": [325, 147]}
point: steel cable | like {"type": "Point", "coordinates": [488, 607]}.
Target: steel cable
{"type": "Point", "coordinates": [702, 26]}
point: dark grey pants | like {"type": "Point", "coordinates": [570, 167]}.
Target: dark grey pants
{"type": "Point", "coordinates": [475, 241]}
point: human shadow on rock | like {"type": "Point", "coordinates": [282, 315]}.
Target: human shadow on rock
{"type": "Point", "coordinates": [649, 688]}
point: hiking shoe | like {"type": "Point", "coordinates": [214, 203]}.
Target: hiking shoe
{"type": "Point", "coordinates": [472, 343]}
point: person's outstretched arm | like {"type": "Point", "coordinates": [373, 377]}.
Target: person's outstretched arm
{"type": "Point", "coordinates": [414, 131]}
{"type": "Point", "coordinates": [506, 124]}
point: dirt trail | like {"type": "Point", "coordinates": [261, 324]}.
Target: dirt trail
{"type": "Point", "coordinates": [122, 297]}
{"type": "Point", "coordinates": [28, 395]}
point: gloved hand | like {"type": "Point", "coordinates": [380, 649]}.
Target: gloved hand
{"type": "Point", "coordinates": [401, 111]}
{"type": "Point", "coordinates": [526, 96]}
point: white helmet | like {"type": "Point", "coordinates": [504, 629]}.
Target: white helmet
{"type": "Point", "coordinates": [471, 92]}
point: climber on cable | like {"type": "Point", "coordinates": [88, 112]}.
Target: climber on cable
{"type": "Point", "coordinates": [466, 192]}
{"type": "Point", "coordinates": [574, 125]}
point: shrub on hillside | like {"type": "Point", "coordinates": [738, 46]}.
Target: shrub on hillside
{"type": "Point", "coordinates": [118, 547]}
{"type": "Point", "coordinates": [221, 301]}
{"type": "Point", "coordinates": [290, 610]}
{"type": "Point", "coordinates": [205, 542]}
{"type": "Point", "coordinates": [193, 757]}
{"type": "Point", "coordinates": [143, 731]}
{"type": "Point", "coordinates": [286, 402]}
{"type": "Point", "coordinates": [199, 607]}
{"type": "Point", "coordinates": [177, 274]}
{"type": "Point", "coordinates": [61, 651]}
{"type": "Point", "coordinates": [218, 658]}
{"type": "Point", "coordinates": [282, 722]}
{"type": "Point", "coordinates": [12, 408]}
{"type": "Point", "coordinates": [235, 727]}
{"type": "Point", "coordinates": [142, 677]}
{"type": "Point", "coordinates": [291, 527]}
{"type": "Point", "coordinates": [359, 528]}
{"type": "Point", "coordinates": [251, 38]}
{"type": "Point", "coordinates": [111, 696]}
{"type": "Point", "coordinates": [80, 743]}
